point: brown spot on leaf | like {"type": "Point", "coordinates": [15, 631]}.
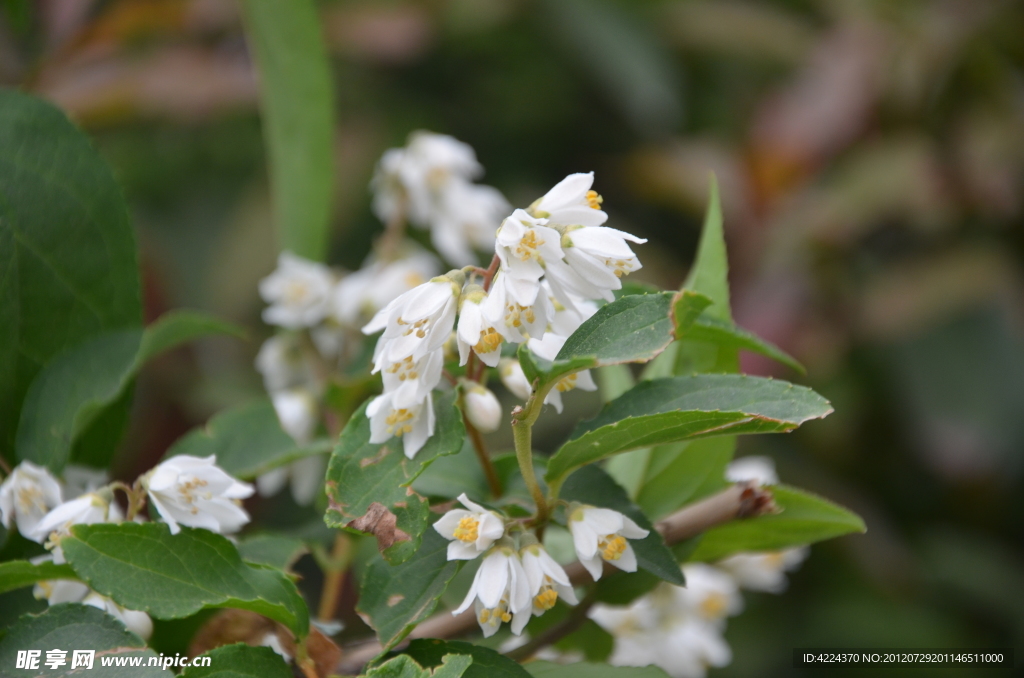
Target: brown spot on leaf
{"type": "Point", "coordinates": [381, 523]}
{"type": "Point", "coordinates": [395, 599]}
{"type": "Point", "coordinates": [369, 461]}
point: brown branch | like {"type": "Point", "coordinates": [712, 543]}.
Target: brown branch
{"type": "Point", "coordinates": [739, 501]}
{"type": "Point", "coordinates": [491, 270]}
{"type": "Point", "coordinates": [550, 636]}
{"type": "Point", "coordinates": [493, 482]}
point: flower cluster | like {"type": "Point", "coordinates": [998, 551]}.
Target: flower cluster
{"type": "Point", "coordinates": [554, 259]}
{"type": "Point", "coordinates": [681, 629]}
{"type": "Point", "coordinates": [185, 490]}
{"type": "Point", "coordinates": [517, 581]}
{"type": "Point", "coordinates": [430, 183]}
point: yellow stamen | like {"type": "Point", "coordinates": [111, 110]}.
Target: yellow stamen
{"type": "Point", "coordinates": [714, 605]}
{"type": "Point", "coordinates": [528, 245]}
{"type": "Point", "coordinates": [566, 383]}
{"type": "Point", "coordinates": [396, 422]}
{"type": "Point", "coordinates": [546, 599]}
{"type": "Point", "coordinates": [612, 546]}
{"type": "Point", "coordinates": [468, 529]}
{"type": "Point", "coordinates": [490, 340]}
{"type": "Point", "coordinates": [594, 199]}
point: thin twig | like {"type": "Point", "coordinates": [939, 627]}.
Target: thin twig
{"type": "Point", "coordinates": [577, 616]}
{"type": "Point", "coordinates": [739, 501]}
{"type": "Point", "coordinates": [493, 482]}
{"type": "Point", "coordinates": [489, 273]}
{"type": "Point", "coordinates": [334, 578]}
{"type": "Point", "coordinates": [5, 467]}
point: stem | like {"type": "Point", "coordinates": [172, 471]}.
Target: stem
{"type": "Point", "coordinates": [390, 241]}
{"type": "Point", "coordinates": [522, 432]}
{"type": "Point", "coordinates": [576, 618]}
{"type": "Point", "coordinates": [491, 270]}
{"type": "Point", "coordinates": [5, 466]}
{"type": "Point", "coordinates": [493, 482]}
{"type": "Point", "coordinates": [334, 577]}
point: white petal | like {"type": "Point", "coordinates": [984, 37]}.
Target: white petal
{"type": "Point", "coordinates": [584, 539]}
{"type": "Point", "coordinates": [446, 524]}
{"type": "Point", "coordinates": [493, 578]}
{"type": "Point", "coordinates": [626, 561]}
{"type": "Point", "coordinates": [458, 550]}
{"type": "Point", "coordinates": [630, 530]}
{"type": "Point", "coordinates": [595, 566]}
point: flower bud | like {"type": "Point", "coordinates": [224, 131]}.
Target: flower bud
{"type": "Point", "coordinates": [514, 379]}
{"type": "Point", "coordinates": [296, 409]}
{"type": "Point", "coordinates": [482, 409]}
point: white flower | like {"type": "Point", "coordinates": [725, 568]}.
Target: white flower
{"type": "Point", "coordinates": [475, 331]}
{"type": "Point", "coordinates": [548, 348]}
{"type": "Point", "coordinates": [514, 379]}
{"type": "Point", "coordinates": [195, 492]}
{"type": "Point", "coordinates": [482, 408]}
{"type": "Point", "coordinates": [548, 581]}
{"type": "Point", "coordinates": [471, 531]}
{"type": "Point", "coordinates": [413, 423]}
{"type": "Point", "coordinates": [79, 480]}
{"type": "Point", "coordinates": [764, 571]}
{"type": "Point", "coordinates": [600, 534]}
{"type": "Point", "coordinates": [298, 413]}
{"type": "Point", "coordinates": [710, 593]}
{"type": "Point", "coordinates": [761, 470]}
{"type": "Point", "coordinates": [600, 256]}
{"type": "Point", "coordinates": [299, 292]}
{"type": "Point", "coordinates": [85, 510]}
{"type": "Point", "coordinates": [283, 363]}
{"type": "Point", "coordinates": [467, 217]}
{"type": "Point", "coordinates": [57, 591]}
{"type": "Point", "coordinates": [515, 318]}
{"type": "Point", "coordinates": [500, 592]}
{"type": "Point", "coordinates": [359, 295]}
{"type": "Point", "coordinates": [416, 323]}
{"type": "Point", "coordinates": [27, 495]}
{"type": "Point", "coordinates": [137, 622]}
{"type": "Point", "coordinates": [525, 245]}
{"type": "Point", "coordinates": [570, 202]}
{"type": "Point", "coordinates": [410, 381]}
{"type": "Point", "coordinates": [306, 477]}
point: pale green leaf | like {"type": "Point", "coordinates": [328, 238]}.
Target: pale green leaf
{"type": "Point", "coordinates": [591, 670]}
{"type": "Point", "coordinates": [247, 440]}
{"type": "Point", "coordinates": [685, 471]}
{"type": "Point", "coordinates": [404, 666]}
{"type": "Point", "coordinates": [68, 267]}
{"type": "Point", "coordinates": [486, 662]}
{"type": "Point", "coordinates": [710, 273]}
{"type": "Point", "coordinates": [591, 485]}
{"type": "Point", "coordinates": [362, 473]}
{"type": "Point", "coordinates": [71, 626]}
{"type": "Point", "coordinates": [804, 518]}
{"type": "Point", "coordinates": [395, 598]}
{"type": "Point", "coordinates": [240, 661]}
{"type": "Point", "coordinates": [275, 550]}
{"type": "Point", "coordinates": [687, 306]}
{"type": "Point", "coordinates": [145, 567]}
{"type": "Point", "coordinates": [724, 334]}
{"type": "Point", "coordinates": [286, 40]}
{"type": "Point", "coordinates": [182, 326]}
{"type": "Point", "coordinates": [684, 408]}
{"type": "Point", "coordinates": [15, 574]}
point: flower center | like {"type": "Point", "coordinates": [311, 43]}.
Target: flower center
{"type": "Point", "coordinates": [420, 327]}
{"type": "Point", "coordinates": [490, 340]}
{"type": "Point", "coordinates": [713, 606]}
{"type": "Point", "coordinates": [594, 199]}
{"type": "Point", "coordinates": [189, 491]}
{"type": "Point", "coordinates": [31, 499]}
{"type": "Point", "coordinates": [468, 529]}
{"type": "Point", "coordinates": [528, 245]}
{"type": "Point", "coordinates": [296, 291]}
{"type": "Point", "coordinates": [495, 615]}
{"type": "Point", "coordinates": [515, 314]}
{"type": "Point", "coordinates": [546, 599]}
{"type": "Point", "coordinates": [404, 369]}
{"type": "Point", "coordinates": [398, 420]}
{"type": "Point", "coordinates": [612, 546]}
{"type": "Point", "coordinates": [566, 383]}
{"type": "Point", "coordinates": [620, 267]}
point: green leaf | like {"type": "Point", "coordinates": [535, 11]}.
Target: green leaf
{"type": "Point", "coordinates": [687, 306]}
{"type": "Point", "coordinates": [247, 440]}
{"type": "Point", "coordinates": [15, 574]}
{"type": "Point", "coordinates": [179, 327]}
{"type": "Point", "coordinates": [395, 598]}
{"type": "Point", "coordinates": [539, 371]}
{"type": "Point", "coordinates": [631, 329]}
{"type": "Point", "coordinates": [240, 661]}
{"type": "Point", "coordinates": [590, 670]}
{"type": "Point", "coordinates": [591, 485]}
{"type": "Point", "coordinates": [686, 471]}
{"type": "Point", "coordinates": [404, 666]}
{"type": "Point", "coordinates": [286, 39]}
{"type": "Point", "coordinates": [710, 273]}
{"type": "Point", "coordinates": [486, 662]}
{"type": "Point", "coordinates": [362, 474]}
{"type": "Point", "coordinates": [70, 626]}
{"type": "Point", "coordinates": [67, 250]}
{"type": "Point", "coordinates": [275, 550]}
{"type": "Point", "coordinates": [145, 567]}
{"type": "Point", "coordinates": [724, 334]}
{"type": "Point", "coordinates": [805, 518]}
{"type": "Point", "coordinates": [80, 385]}
{"type": "Point", "coordinates": [683, 408]}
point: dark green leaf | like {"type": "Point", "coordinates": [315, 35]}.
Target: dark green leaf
{"type": "Point", "coordinates": [404, 666]}
{"type": "Point", "coordinates": [179, 327]}
{"type": "Point", "coordinates": [486, 662]}
{"type": "Point", "coordinates": [240, 661]}
{"type": "Point", "coordinates": [629, 330]}
{"type": "Point", "coordinates": [588, 670]}
{"type": "Point", "coordinates": [541, 371]}
{"type": "Point", "coordinates": [145, 567]}
{"type": "Point", "coordinates": [686, 471]}
{"type": "Point", "coordinates": [286, 39]}
{"type": "Point", "coordinates": [363, 474]}
{"type": "Point", "coordinates": [683, 408]}
{"type": "Point", "coordinates": [395, 598]}
{"type": "Point", "coordinates": [77, 627]}
{"type": "Point", "coordinates": [67, 251]}
{"type": "Point", "coordinates": [14, 574]}
{"type": "Point", "coordinates": [275, 550]}
{"type": "Point", "coordinates": [805, 518]}
{"type": "Point", "coordinates": [247, 440]}
{"type": "Point", "coordinates": [591, 485]}
{"type": "Point", "coordinates": [724, 334]}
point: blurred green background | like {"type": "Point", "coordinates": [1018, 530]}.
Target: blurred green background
{"type": "Point", "coordinates": [871, 158]}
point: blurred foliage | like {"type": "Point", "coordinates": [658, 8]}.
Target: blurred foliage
{"type": "Point", "coordinates": [871, 162]}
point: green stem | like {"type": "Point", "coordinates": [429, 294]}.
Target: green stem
{"type": "Point", "coordinates": [522, 432]}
